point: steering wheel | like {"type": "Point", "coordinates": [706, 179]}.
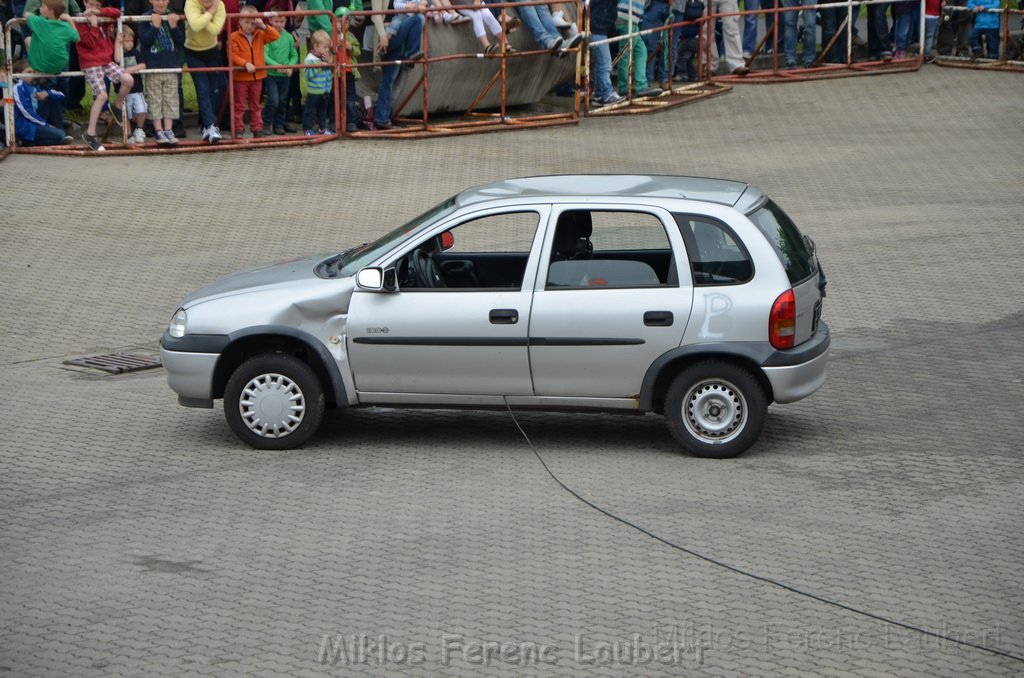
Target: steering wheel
{"type": "Point", "coordinates": [425, 270]}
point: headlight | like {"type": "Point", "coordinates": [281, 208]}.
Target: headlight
{"type": "Point", "coordinates": [179, 324]}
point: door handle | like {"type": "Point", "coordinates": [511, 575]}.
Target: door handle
{"type": "Point", "coordinates": [658, 318]}
{"type": "Point", "coordinates": [504, 316]}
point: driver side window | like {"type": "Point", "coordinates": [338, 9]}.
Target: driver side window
{"type": "Point", "coordinates": [488, 252]}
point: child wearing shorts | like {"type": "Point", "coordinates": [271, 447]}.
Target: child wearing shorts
{"type": "Point", "coordinates": [96, 58]}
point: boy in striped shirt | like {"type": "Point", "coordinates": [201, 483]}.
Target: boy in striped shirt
{"type": "Point", "coordinates": [318, 113]}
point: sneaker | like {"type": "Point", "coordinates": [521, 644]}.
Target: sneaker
{"type": "Point", "coordinates": [554, 44]}
{"type": "Point", "coordinates": [383, 125]}
{"type": "Point", "coordinates": [740, 70]}
{"type": "Point", "coordinates": [900, 54]}
{"type": "Point", "coordinates": [930, 59]}
{"type": "Point", "coordinates": [206, 133]}
{"type": "Point", "coordinates": [886, 56]}
{"type": "Point", "coordinates": [161, 138]}
{"type": "Point", "coordinates": [67, 141]}
{"type": "Point", "coordinates": [327, 132]}
{"type": "Point", "coordinates": [649, 92]}
{"type": "Point", "coordinates": [279, 130]}
{"type": "Point", "coordinates": [351, 127]}
{"type": "Point", "coordinates": [290, 129]}
{"type": "Point", "coordinates": [214, 134]}
{"type": "Point", "coordinates": [137, 137]}
{"type": "Point", "coordinates": [574, 41]}
{"type": "Point", "coordinates": [415, 56]}
{"type": "Point", "coordinates": [171, 139]}
{"type": "Point", "coordinates": [92, 142]}
{"type": "Point", "coordinates": [311, 133]}
{"type": "Point", "coordinates": [612, 98]}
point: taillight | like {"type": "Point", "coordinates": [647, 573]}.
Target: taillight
{"type": "Point", "coordinates": [782, 322]}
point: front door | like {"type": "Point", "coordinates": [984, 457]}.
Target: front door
{"type": "Point", "coordinates": [458, 324]}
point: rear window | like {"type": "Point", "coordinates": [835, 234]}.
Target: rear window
{"type": "Point", "coordinates": [786, 240]}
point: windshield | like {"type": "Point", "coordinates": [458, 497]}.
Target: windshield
{"type": "Point", "coordinates": [364, 255]}
{"type": "Point", "coordinates": [782, 233]}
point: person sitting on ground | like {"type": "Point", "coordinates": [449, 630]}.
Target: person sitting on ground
{"type": "Point", "coordinates": [31, 129]}
{"type": "Point", "coordinates": [247, 56]}
{"type": "Point", "coordinates": [96, 57]}
{"type": "Point", "coordinates": [135, 102]}
{"type": "Point", "coordinates": [162, 39]}
{"type": "Point", "coordinates": [401, 40]}
{"type": "Point", "coordinates": [483, 21]}
{"type": "Point", "coordinates": [318, 112]}
{"type": "Point", "coordinates": [281, 53]}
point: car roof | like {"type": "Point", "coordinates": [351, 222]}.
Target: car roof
{"type": "Point", "coordinates": [722, 191]}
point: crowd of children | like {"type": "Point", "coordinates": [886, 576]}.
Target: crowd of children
{"type": "Point", "coordinates": [143, 60]}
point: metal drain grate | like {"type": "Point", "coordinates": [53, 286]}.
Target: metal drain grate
{"type": "Point", "coordinates": [117, 363]}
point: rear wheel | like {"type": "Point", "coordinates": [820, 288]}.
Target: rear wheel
{"type": "Point", "coordinates": [715, 409]}
{"type": "Point", "coordinates": [274, 401]}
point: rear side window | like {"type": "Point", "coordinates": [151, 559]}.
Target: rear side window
{"type": "Point", "coordinates": [717, 257]}
{"type": "Point", "coordinates": [786, 240]}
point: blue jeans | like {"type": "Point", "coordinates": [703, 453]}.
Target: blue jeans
{"type": "Point", "coordinates": [878, 30]}
{"type": "Point", "coordinates": [931, 29]}
{"type": "Point", "coordinates": [750, 24]}
{"type": "Point", "coordinates": [831, 20]}
{"type": "Point", "coordinates": [656, 15]}
{"type": "Point", "coordinates": [537, 19]}
{"type": "Point", "coordinates": [601, 64]}
{"type": "Point", "coordinates": [277, 100]}
{"type": "Point", "coordinates": [403, 42]}
{"type": "Point", "coordinates": [901, 31]}
{"type": "Point", "coordinates": [317, 112]}
{"type": "Point", "coordinates": [46, 135]}
{"type": "Point", "coordinates": [789, 21]}
{"type": "Point", "coordinates": [210, 85]}
{"type": "Point", "coordinates": [991, 39]}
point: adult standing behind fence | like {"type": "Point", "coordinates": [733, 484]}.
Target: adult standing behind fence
{"type": "Point", "coordinates": [204, 20]}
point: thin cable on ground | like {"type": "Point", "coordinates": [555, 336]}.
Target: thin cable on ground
{"type": "Point", "coordinates": [745, 573]}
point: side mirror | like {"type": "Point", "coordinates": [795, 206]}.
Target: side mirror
{"type": "Point", "coordinates": [447, 241]}
{"type": "Point", "coordinates": [370, 279]}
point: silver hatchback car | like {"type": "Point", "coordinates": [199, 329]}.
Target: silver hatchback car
{"type": "Point", "coordinates": [694, 298]}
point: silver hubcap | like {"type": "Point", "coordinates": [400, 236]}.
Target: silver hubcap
{"type": "Point", "coordinates": [272, 405]}
{"type": "Point", "coordinates": [714, 411]}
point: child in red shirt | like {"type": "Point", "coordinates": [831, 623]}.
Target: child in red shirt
{"type": "Point", "coordinates": [248, 59]}
{"type": "Point", "coordinates": [96, 59]}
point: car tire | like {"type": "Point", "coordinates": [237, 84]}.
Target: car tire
{"type": "Point", "coordinates": [274, 401]}
{"type": "Point", "coordinates": [715, 409]}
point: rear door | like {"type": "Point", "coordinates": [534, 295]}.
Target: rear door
{"type": "Point", "coordinates": [605, 310]}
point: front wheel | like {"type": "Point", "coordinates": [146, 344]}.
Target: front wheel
{"type": "Point", "coordinates": [715, 409]}
{"type": "Point", "coordinates": [274, 401]}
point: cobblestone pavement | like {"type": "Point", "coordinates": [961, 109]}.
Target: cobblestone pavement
{"type": "Point", "coordinates": [140, 538]}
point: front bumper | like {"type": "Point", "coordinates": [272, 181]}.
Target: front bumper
{"type": "Point", "coordinates": [190, 362]}
{"type": "Point", "coordinates": [798, 373]}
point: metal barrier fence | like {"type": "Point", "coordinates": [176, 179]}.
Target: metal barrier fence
{"type": "Point", "coordinates": [499, 114]}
